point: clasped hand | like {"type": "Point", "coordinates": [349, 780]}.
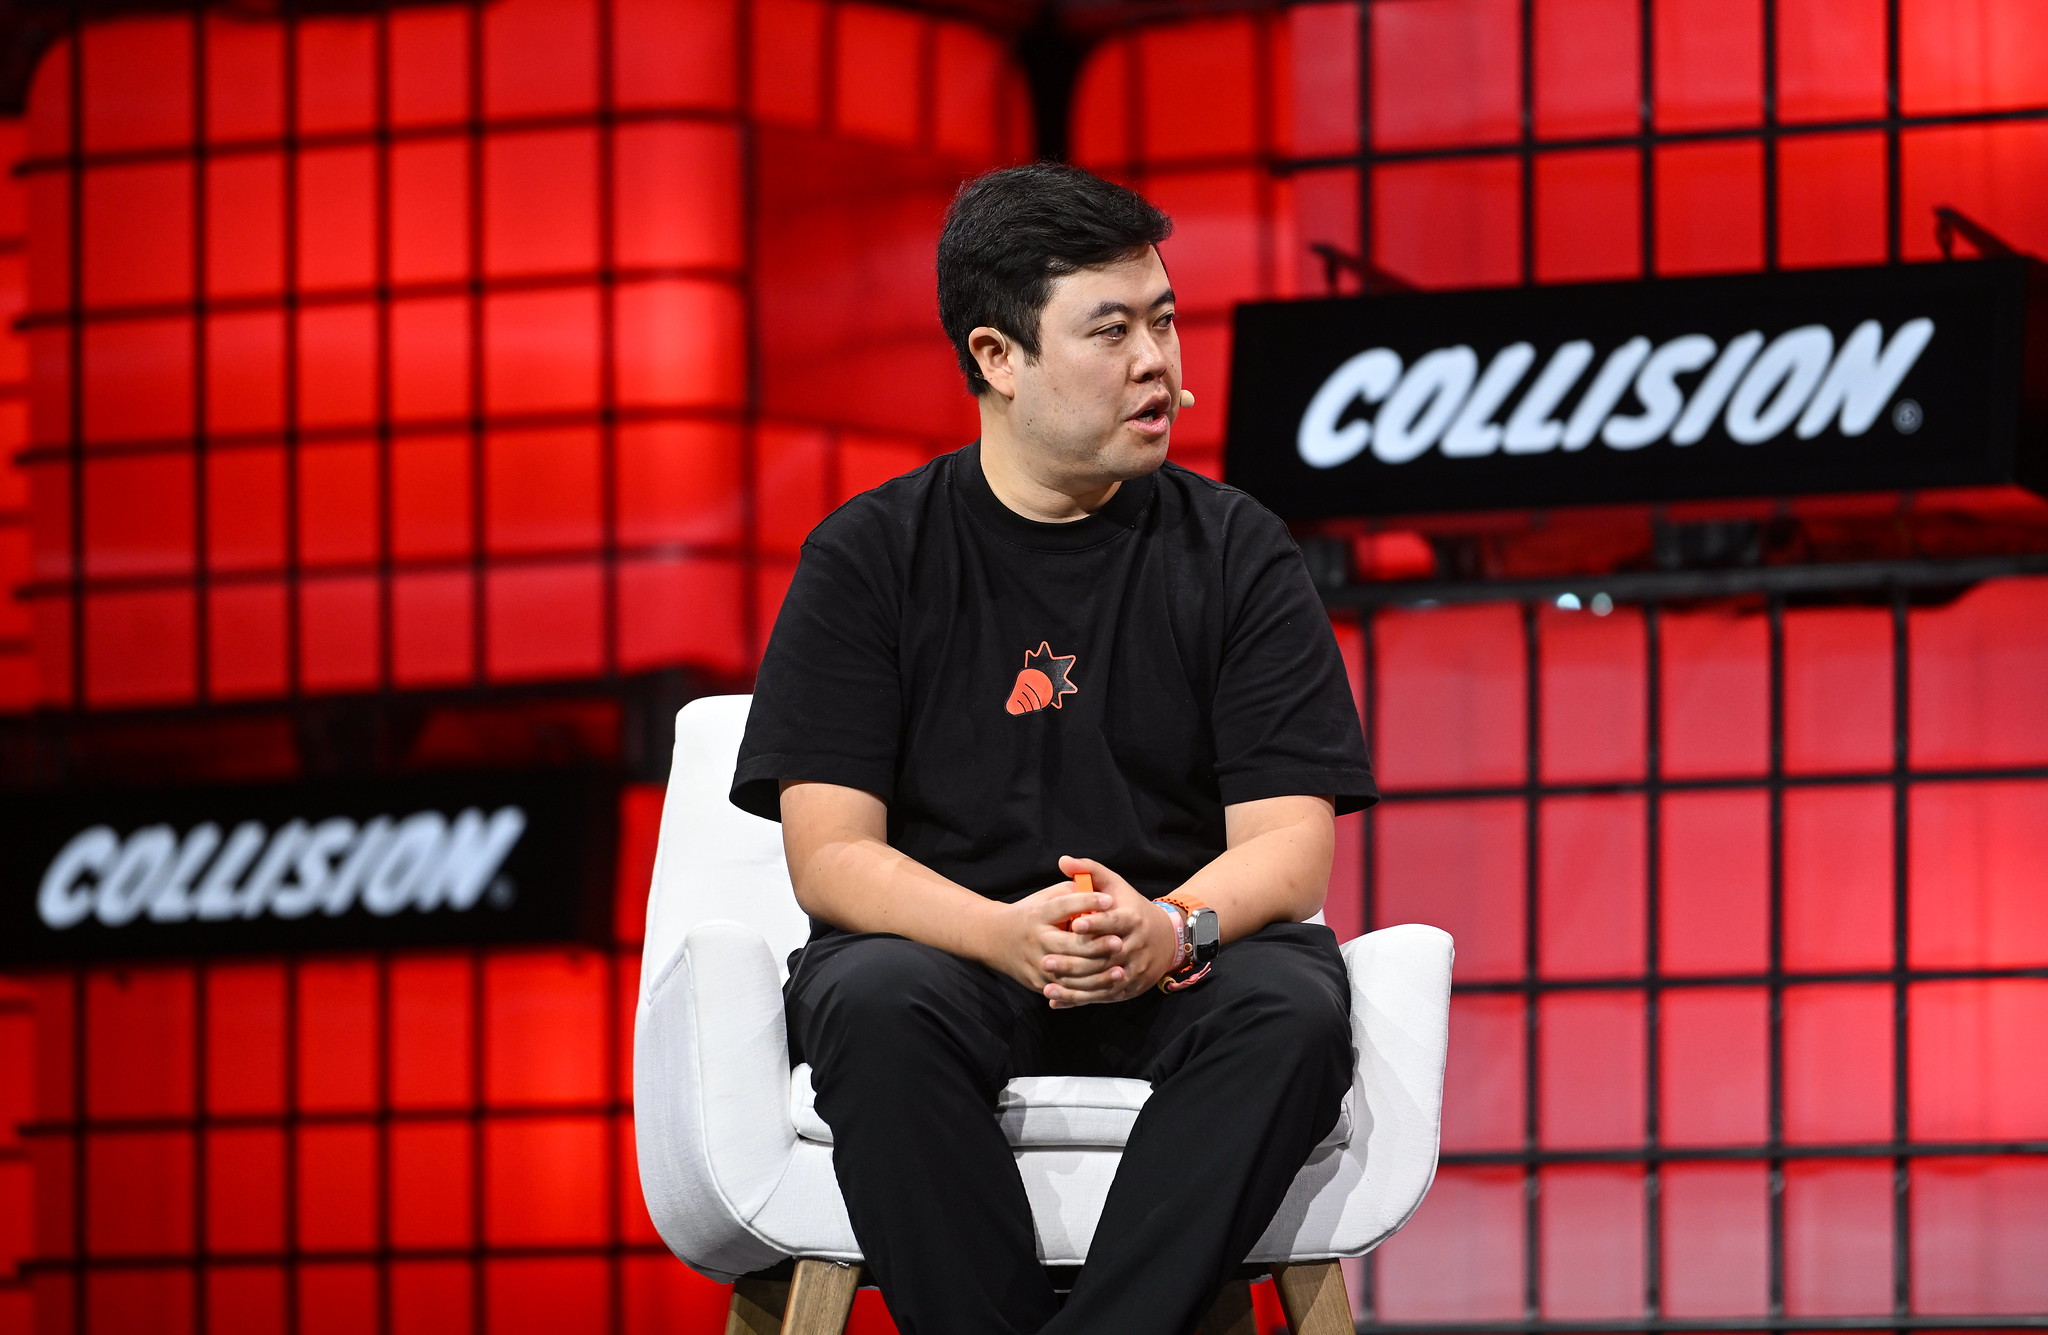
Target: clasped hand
{"type": "Point", "coordinates": [1117, 944]}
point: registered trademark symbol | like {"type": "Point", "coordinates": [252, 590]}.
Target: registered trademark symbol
{"type": "Point", "coordinates": [1907, 417]}
{"type": "Point", "coordinates": [502, 894]}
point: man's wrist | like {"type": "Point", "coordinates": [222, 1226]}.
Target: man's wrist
{"type": "Point", "coordinates": [1198, 941]}
{"type": "Point", "coordinates": [985, 933]}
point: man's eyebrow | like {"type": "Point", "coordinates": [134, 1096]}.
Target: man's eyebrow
{"type": "Point", "coordinates": [1119, 308]}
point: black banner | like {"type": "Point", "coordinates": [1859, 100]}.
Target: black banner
{"type": "Point", "coordinates": [440, 860]}
{"type": "Point", "coordinates": [1839, 380]}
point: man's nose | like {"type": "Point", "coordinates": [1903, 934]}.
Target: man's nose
{"type": "Point", "coordinates": [1150, 358]}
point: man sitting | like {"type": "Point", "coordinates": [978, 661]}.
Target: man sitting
{"type": "Point", "coordinates": [1051, 653]}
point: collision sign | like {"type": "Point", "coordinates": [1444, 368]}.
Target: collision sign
{"type": "Point", "coordinates": [1762, 384]}
{"type": "Point", "coordinates": [442, 860]}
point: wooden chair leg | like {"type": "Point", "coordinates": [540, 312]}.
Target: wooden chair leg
{"type": "Point", "coordinates": [757, 1307]}
{"type": "Point", "coordinates": [1232, 1312]}
{"type": "Point", "coordinates": [820, 1298]}
{"type": "Point", "coordinates": [1313, 1297]}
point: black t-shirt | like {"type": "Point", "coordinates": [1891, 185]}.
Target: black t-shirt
{"type": "Point", "coordinates": [1015, 690]}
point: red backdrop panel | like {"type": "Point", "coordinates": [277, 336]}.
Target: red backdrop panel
{"type": "Point", "coordinates": [1588, 216]}
{"type": "Point", "coordinates": [1838, 1237]}
{"type": "Point", "coordinates": [1461, 1257]}
{"type": "Point", "coordinates": [1459, 865]}
{"type": "Point", "coordinates": [1590, 1083]}
{"type": "Point", "coordinates": [1591, 887]}
{"type": "Point", "coordinates": [1593, 1257]}
{"type": "Point", "coordinates": [1451, 698]}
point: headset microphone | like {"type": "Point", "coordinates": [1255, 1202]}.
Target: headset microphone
{"type": "Point", "coordinates": [1187, 398]}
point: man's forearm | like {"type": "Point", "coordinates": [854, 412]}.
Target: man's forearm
{"type": "Point", "coordinates": [861, 884]}
{"type": "Point", "coordinates": [845, 872]}
{"type": "Point", "coordinates": [1278, 870]}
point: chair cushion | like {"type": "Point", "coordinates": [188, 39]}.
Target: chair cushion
{"type": "Point", "coordinates": [1046, 1111]}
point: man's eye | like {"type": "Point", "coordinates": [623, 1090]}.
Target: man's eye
{"type": "Point", "coordinates": [1166, 319]}
{"type": "Point", "coordinates": [1113, 331]}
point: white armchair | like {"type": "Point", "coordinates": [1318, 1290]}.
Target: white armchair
{"type": "Point", "coordinates": [736, 1166]}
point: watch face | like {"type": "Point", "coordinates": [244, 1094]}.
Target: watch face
{"type": "Point", "coordinates": [1203, 931]}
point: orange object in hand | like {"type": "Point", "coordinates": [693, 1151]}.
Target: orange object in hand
{"type": "Point", "coordinates": [1084, 884]}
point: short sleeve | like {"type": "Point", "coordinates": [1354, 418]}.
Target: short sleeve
{"type": "Point", "coordinates": [1284, 719]}
{"type": "Point", "coordinates": [827, 701]}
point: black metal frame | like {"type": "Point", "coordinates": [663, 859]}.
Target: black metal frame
{"type": "Point", "coordinates": [1770, 587]}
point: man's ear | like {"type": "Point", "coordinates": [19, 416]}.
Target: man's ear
{"type": "Point", "coordinates": [997, 355]}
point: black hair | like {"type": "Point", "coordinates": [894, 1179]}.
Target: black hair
{"type": "Point", "coordinates": [1010, 233]}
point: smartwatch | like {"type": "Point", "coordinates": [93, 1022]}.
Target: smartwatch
{"type": "Point", "coordinates": [1200, 938]}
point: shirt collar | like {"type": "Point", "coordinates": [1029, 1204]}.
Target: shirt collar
{"type": "Point", "coordinates": [1118, 516]}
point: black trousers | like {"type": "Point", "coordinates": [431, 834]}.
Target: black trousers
{"type": "Point", "coordinates": [909, 1047]}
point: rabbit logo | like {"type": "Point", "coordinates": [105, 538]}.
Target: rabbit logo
{"type": "Point", "coordinates": [1042, 682]}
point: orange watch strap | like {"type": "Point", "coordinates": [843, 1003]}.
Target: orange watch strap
{"type": "Point", "coordinates": [1184, 971]}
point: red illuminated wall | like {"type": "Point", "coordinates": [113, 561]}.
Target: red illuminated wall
{"type": "Point", "coordinates": [16, 694]}
{"type": "Point", "coordinates": [445, 347]}
{"type": "Point", "coordinates": [459, 345]}
{"type": "Point", "coordinates": [17, 666]}
{"type": "Point", "coordinates": [1760, 148]}
{"type": "Point", "coordinates": [1751, 951]}
{"type": "Point", "coordinates": [1194, 115]}
{"type": "Point", "coordinates": [435, 1141]}
{"type": "Point", "coordinates": [1255, 134]}
{"type": "Point", "coordinates": [17, 1182]}
{"type": "Point", "coordinates": [1751, 965]}
{"type": "Point", "coordinates": [479, 343]}
{"type": "Point", "coordinates": [867, 122]}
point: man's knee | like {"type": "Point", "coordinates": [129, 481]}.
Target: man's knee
{"type": "Point", "coordinates": [1301, 1016]}
{"type": "Point", "coordinates": [1294, 994]}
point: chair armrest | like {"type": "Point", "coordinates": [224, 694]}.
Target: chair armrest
{"type": "Point", "coordinates": [1400, 1028]}
{"type": "Point", "coordinates": [711, 1097]}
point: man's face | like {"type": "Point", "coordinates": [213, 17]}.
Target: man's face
{"type": "Point", "coordinates": [1101, 396]}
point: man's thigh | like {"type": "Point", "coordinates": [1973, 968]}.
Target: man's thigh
{"type": "Point", "coordinates": [876, 1000]}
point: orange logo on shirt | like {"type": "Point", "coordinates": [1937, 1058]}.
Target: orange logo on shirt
{"type": "Point", "coordinates": [1042, 682]}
